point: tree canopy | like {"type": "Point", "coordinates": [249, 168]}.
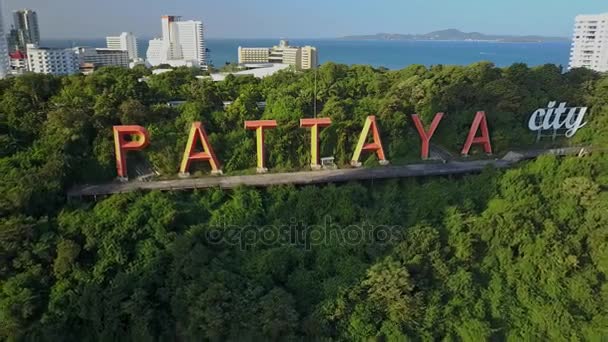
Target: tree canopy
{"type": "Point", "coordinates": [504, 255]}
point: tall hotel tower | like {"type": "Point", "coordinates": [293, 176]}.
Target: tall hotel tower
{"type": "Point", "coordinates": [26, 24]}
{"type": "Point", "coordinates": [590, 42]}
{"type": "Point", "coordinates": [182, 44]}
{"type": "Point", "coordinates": [3, 47]}
{"type": "Point", "coordinates": [125, 42]}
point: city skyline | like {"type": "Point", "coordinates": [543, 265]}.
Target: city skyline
{"type": "Point", "coordinates": [241, 19]}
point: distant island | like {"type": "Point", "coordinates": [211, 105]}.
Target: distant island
{"type": "Point", "coordinates": [457, 35]}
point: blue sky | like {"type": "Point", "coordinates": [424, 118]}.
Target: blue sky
{"type": "Point", "coordinates": [306, 19]}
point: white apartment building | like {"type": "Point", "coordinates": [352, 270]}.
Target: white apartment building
{"type": "Point", "coordinates": [182, 44]}
{"type": "Point", "coordinates": [300, 57]}
{"type": "Point", "coordinates": [52, 61]}
{"type": "Point", "coordinates": [3, 48]}
{"type": "Point", "coordinates": [126, 41]}
{"type": "Point", "coordinates": [102, 57]}
{"type": "Point", "coordinates": [590, 43]}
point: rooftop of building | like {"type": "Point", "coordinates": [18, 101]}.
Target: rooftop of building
{"type": "Point", "coordinates": [36, 47]}
{"type": "Point", "coordinates": [110, 50]}
{"type": "Point", "coordinates": [592, 15]}
{"type": "Point", "coordinates": [121, 34]}
{"type": "Point", "coordinates": [283, 45]}
{"type": "Point", "coordinates": [24, 10]}
{"type": "Point", "coordinates": [256, 65]}
{"type": "Point", "coordinates": [263, 70]}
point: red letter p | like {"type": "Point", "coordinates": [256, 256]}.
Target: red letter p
{"type": "Point", "coordinates": [122, 145]}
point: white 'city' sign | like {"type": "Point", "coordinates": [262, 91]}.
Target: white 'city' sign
{"type": "Point", "coordinates": [552, 118]}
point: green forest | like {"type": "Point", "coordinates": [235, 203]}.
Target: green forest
{"type": "Point", "coordinates": [518, 255]}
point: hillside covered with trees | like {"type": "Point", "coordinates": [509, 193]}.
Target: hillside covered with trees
{"type": "Point", "coordinates": [518, 255]}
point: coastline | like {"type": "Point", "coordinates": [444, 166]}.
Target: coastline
{"type": "Point", "coordinates": [391, 54]}
{"type": "Point", "coordinates": [455, 40]}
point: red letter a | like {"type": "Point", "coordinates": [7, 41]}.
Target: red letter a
{"type": "Point", "coordinates": [484, 139]}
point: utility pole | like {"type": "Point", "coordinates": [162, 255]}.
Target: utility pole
{"type": "Point", "coordinates": [315, 96]}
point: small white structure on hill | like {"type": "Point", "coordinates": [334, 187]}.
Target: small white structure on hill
{"type": "Point", "coordinates": [260, 70]}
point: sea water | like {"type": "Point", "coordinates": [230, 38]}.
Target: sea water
{"type": "Point", "coordinates": [391, 54]}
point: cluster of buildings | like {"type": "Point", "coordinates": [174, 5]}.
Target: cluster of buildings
{"type": "Point", "coordinates": [301, 58]}
{"type": "Point", "coordinates": [261, 62]}
{"type": "Point", "coordinates": [71, 60]}
{"type": "Point", "coordinates": [590, 42]}
{"type": "Point", "coordinates": [182, 43]}
{"type": "Point", "coordinates": [22, 47]}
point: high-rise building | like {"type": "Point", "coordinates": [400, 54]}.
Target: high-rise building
{"type": "Point", "coordinates": [3, 48]}
{"type": "Point", "coordinates": [300, 57]}
{"type": "Point", "coordinates": [13, 40]}
{"type": "Point", "coordinates": [310, 59]}
{"type": "Point", "coordinates": [182, 44]}
{"type": "Point", "coordinates": [590, 42]}
{"type": "Point", "coordinates": [52, 61]}
{"type": "Point", "coordinates": [27, 29]}
{"type": "Point", "coordinates": [126, 41]}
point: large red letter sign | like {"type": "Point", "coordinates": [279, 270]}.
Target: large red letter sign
{"type": "Point", "coordinates": [259, 126]}
{"type": "Point", "coordinates": [198, 134]}
{"type": "Point", "coordinates": [484, 139]}
{"type": "Point", "coordinates": [425, 137]}
{"type": "Point", "coordinates": [314, 124]}
{"type": "Point", "coordinates": [376, 146]}
{"type": "Point", "coordinates": [121, 145]}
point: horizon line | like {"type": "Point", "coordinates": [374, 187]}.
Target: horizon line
{"type": "Point", "coordinates": [569, 36]}
{"type": "Point", "coordinates": [292, 38]}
